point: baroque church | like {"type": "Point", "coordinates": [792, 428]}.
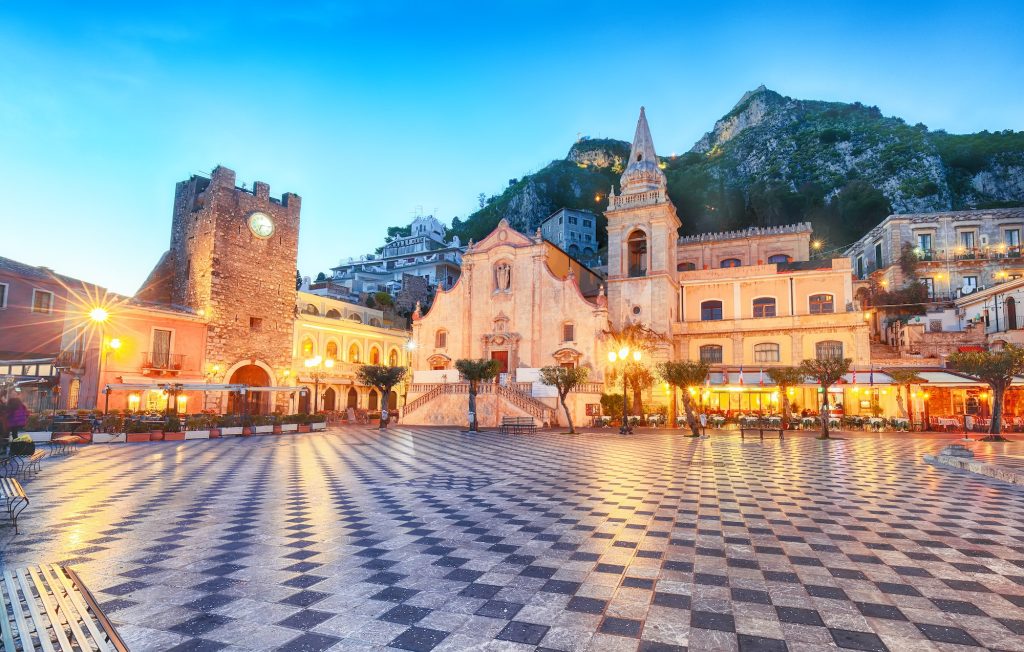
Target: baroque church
{"type": "Point", "coordinates": [737, 300]}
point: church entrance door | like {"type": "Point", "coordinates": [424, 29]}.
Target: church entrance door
{"type": "Point", "coordinates": [253, 402]}
{"type": "Point", "coordinates": [329, 400]}
{"type": "Point", "coordinates": [502, 358]}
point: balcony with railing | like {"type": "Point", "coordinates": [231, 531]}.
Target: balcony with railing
{"type": "Point", "coordinates": [71, 359]}
{"type": "Point", "coordinates": [162, 363]}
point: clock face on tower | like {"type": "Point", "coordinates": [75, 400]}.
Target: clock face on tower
{"type": "Point", "coordinates": [261, 225]}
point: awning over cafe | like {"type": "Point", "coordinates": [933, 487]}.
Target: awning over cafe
{"type": "Point", "coordinates": [200, 387]}
{"type": "Point", "coordinates": [948, 379]}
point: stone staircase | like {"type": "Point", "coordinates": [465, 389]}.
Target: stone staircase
{"type": "Point", "coordinates": [447, 403]}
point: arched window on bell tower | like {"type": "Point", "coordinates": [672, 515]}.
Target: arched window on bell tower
{"type": "Point", "coordinates": [636, 247]}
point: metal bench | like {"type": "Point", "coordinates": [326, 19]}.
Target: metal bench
{"type": "Point", "coordinates": [761, 431]}
{"type": "Point", "coordinates": [48, 608]}
{"type": "Point", "coordinates": [14, 498]}
{"type": "Point", "coordinates": [517, 425]}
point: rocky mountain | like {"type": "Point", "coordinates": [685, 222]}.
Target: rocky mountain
{"type": "Point", "coordinates": [776, 160]}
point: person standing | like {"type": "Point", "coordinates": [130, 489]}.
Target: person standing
{"type": "Point", "coordinates": [3, 427]}
{"type": "Point", "coordinates": [17, 417]}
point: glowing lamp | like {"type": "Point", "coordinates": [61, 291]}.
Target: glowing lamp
{"type": "Point", "coordinates": [329, 362]}
{"type": "Point", "coordinates": [611, 356]}
{"type": "Point", "coordinates": [114, 343]}
{"type": "Point", "coordinates": [99, 315]}
{"type": "Point", "coordinates": [623, 352]}
{"type": "Point", "coordinates": [636, 355]}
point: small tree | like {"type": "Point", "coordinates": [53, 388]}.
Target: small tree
{"type": "Point", "coordinates": [476, 371]}
{"type": "Point", "coordinates": [904, 378]}
{"type": "Point", "coordinates": [786, 377]}
{"type": "Point", "coordinates": [565, 380]}
{"type": "Point", "coordinates": [611, 404]}
{"type": "Point", "coordinates": [997, 368]}
{"type": "Point", "coordinates": [685, 375]}
{"type": "Point", "coordinates": [640, 378]}
{"type": "Point", "coordinates": [383, 379]}
{"type": "Point", "coordinates": [826, 372]}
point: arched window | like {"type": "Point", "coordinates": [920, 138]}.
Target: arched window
{"type": "Point", "coordinates": [393, 358]}
{"type": "Point", "coordinates": [574, 251]}
{"type": "Point", "coordinates": [822, 304]}
{"type": "Point", "coordinates": [441, 339]}
{"type": "Point", "coordinates": [375, 322]}
{"type": "Point", "coordinates": [710, 310]}
{"type": "Point", "coordinates": [308, 349]}
{"type": "Point", "coordinates": [766, 352]}
{"type": "Point", "coordinates": [374, 355]}
{"type": "Point", "coordinates": [333, 314]}
{"type": "Point", "coordinates": [686, 267]}
{"type": "Point", "coordinates": [1011, 313]}
{"type": "Point", "coordinates": [764, 307]}
{"type": "Point", "coordinates": [711, 354]}
{"type": "Point", "coordinates": [353, 353]}
{"type": "Point", "coordinates": [310, 309]}
{"type": "Point", "coordinates": [779, 258]}
{"type": "Point", "coordinates": [371, 404]}
{"type": "Point", "coordinates": [637, 246]}
{"type": "Point", "coordinates": [356, 318]}
{"type": "Point", "coordinates": [730, 262]}
{"type": "Point", "coordinates": [828, 349]}
{"type": "Point", "coordinates": [332, 350]}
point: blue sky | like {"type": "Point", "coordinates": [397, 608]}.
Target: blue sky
{"type": "Point", "coordinates": [369, 112]}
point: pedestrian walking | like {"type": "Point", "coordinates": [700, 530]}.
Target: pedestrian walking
{"type": "Point", "coordinates": [15, 418]}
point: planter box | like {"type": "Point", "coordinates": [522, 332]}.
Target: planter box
{"type": "Point", "coordinates": [277, 429]}
{"type": "Point", "coordinates": [174, 436]}
{"type": "Point", "coordinates": [321, 425]}
{"type": "Point", "coordinates": [197, 434]}
{"type": "Point", "coordinates": [289, 427]}
{"type": "Point", "coordinates": [247, 431]}
{"type": "Point", "coordinates": [304, 427]}
{"type": "Point", "coordinates": [234, 430]}
{"type": "Point", "coordinates": [156, 435]}
{"type": "Point", "coordinates": [39, 436]}
{"type": "Point", "coordinates": [214, 433]}
{"type": "Point", "coordinates": [261, 429]}
{"type": "Point", "coordinates": [107, 438]}
{"type": "Point", "coordinates": [135, 437]}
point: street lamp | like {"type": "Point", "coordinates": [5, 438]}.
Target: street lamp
{"type": "Point", "coordinates": [99, 316]}
{"type": "Point", "coordinates": [318, 370]}
{"type": "Point", "coordinates": [622, 355]}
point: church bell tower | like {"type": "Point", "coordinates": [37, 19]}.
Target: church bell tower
{"type": "Point", "coordinates": [643, 230]}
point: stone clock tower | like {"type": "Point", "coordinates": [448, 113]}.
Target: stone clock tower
{"type": "Point", "coordinates": [232, 260]}
{"type": "Point", "coordinates": [643, 231]}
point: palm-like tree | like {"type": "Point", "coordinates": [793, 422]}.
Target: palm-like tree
{"type": "Point", "coordinates": [475, 371]}
{"type": "Point", "coordinates": [786, 377]}
{"type": "Point", "coordinates": [826, 372]}
{"type": "Point", "coordinates": [383, 379]}
{"type": "Point", "coordinates": [685, 375]}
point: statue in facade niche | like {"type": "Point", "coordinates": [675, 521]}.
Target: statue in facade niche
{"type": "Point", "coordinates": [503, 277]}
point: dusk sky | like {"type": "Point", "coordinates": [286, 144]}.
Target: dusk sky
{"type": "Point", "coordinates": [372, 111]}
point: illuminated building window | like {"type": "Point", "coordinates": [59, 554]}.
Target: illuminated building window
{"type": "Point", "coordinates": [307, 348]}
{"type": "Point", "coordinates": [353, 353]}
{"type": "Point", "coordinates": [711, 354]}
{"type": "Point", "coordinates": [764, 307]}
{"type": "Point", "coordinates": [332, 351]}
{"type": "Point", "coordinates": [637, 247]}
{"type": "Point", "coordinates": [766, 352]}
{"type": "Point", "coordinates": [822, 304]}
{"type": "Point", "coordinates": [828, 349]}
{"type": "Point", "coordinates": [779, 258]}
{"type": "Point", "coordinates": [730, 262]}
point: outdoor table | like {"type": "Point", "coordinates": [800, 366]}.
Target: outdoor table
{"type": "Point", "coordinates": [948, 423]}
{"type": "Point", "coordinates": [876, 423]}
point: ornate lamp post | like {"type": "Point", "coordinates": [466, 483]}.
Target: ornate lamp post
{"type": "Point", "coordinates": [99, 316]}
{"type": "Point", "coordinates": [319, 369]}
{"type": "Point", "coordinates": [622, 355]}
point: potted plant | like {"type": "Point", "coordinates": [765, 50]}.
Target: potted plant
{"type": "Point", "coordinates": [172, 430]}
{"type": "Point", "coordinates": [303, 422]}
{"type": "Point", "coordinates": [290, 423]}
{"type": "Point", "coordinates": [137, 432]}
{"type": "Point", "coordinates": [246, 422]}
{"type": "Point", "coordinates": [276, 423]}
{"type": "Point", "coordinates": [318, 422]}
{"type": "Point", "coordinates": [197, 426]}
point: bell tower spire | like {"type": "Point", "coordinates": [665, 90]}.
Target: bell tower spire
{"type": "Point", "coordinates": [642, 174]}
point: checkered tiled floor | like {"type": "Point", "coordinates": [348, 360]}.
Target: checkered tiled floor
{"type": "Point", "coordinates": [425, 539]}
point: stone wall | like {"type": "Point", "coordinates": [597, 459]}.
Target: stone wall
{"type": "Point", "coordinates": [244, 285]}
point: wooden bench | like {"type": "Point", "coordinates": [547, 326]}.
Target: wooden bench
{"type": "Point", "coordinates": [47, 607]}
{"type": "Point", "coordinates": [14, 498]}
{"type": "Point", "coordinates": [761, 431]}
{"type": "Point", "coordinates": [65, 445]}
{"type": "Point", "coordinates": [12, 466]}
{"type": "Point", "coordinates": [517, 425]}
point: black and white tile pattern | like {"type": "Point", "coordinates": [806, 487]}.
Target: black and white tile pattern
{"type": "Point", "coordinates": [429, 539]}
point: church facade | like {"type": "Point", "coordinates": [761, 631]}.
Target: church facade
{"type": "Point", "coordinates": [741, 301]}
